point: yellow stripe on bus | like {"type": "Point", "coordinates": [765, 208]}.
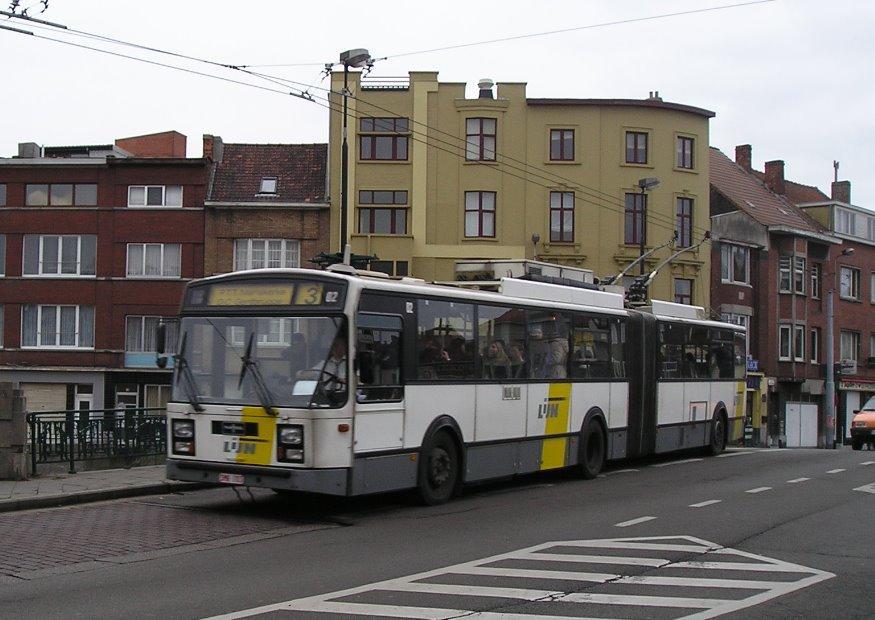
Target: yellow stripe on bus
{"type": "Point", "coordinates": [257, 450]}
{"type": "Point", "coordinates": [556, 410]}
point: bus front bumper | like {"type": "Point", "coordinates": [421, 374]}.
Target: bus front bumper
{"type": "Point", "coordinates": [328, 481]}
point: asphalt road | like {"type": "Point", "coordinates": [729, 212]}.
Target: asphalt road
{"type": "Point", "coordinates": [751, 534]}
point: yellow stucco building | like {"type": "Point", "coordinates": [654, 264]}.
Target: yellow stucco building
{"type": "Point", "coordinates": [435, 177]}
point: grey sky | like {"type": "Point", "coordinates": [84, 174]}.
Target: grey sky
{"type": "Point", "coordinates": [787, 77]}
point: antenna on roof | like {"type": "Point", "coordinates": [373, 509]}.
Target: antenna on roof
{"type": "Point", "coordinates": [835, 166]}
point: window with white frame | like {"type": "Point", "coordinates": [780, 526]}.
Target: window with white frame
{"type": "Point", "coordinates": [849, 283]}
{"type": "Point", "coordinates": [784, 275]}
{"type": "Point", "coordinates": [849, 345]}
{"type": "Point", "coordinates": [871, 340]}
{"type": "Point", "coordinates": [266, 253]}
{"type": "Point", "coordinates": [154, 260]}
{"type": "Point", "coordinates": [870, 228]}
{"type": "Point", "coordinates": [155, 195]}
{"type": "Point", "coordinates": [799, 275]}
{"type": "Point", "coordinates": [815, 345]}
{"type": "Point", "coordinates": [816, 277]}
{"type": "Point", "coordinates": [799, 343]}
{"type": "Point", "coordinates": [739, 319]}
{"type": "Point", "coordinates": [268, 185]}
{"type": "Point", "coordinates": [59, 255]}
{"type": "Point", "coordinates": [784, 334]}
{"type": "Point", "coordinates": [2, 324]}
{"type": "Point", "coordinates": [845, 222]}
{"type": "Point", "coordinates": [735, 263]}
{"type": "Point", "coordinates": [57, 327]}
{"type": "Point", "coordinates": [271, 332]}
{"type": "Point", "coordinates": [157, 396]}
{"type": "Point", "coordinates": [2, 255]}
{"type": "Point", "coordinates": [872, 287]}
{"type": "Point", "coordinates": [140, 333]}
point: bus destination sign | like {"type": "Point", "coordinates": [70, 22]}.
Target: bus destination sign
{"type": "Point", "coordinates": [298, 293]}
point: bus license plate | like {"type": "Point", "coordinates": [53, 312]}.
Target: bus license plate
{"type": "Point", "coordinates": [231, 478]}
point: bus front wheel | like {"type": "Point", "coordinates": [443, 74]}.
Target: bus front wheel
{"type": "Point", "coordinates": [438, 469]}
{"type": "Point", "coordinates": [718, 435]}
{"type": "Point", "coordinates": [593, 451]}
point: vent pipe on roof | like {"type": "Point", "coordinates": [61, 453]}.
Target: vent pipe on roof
{"type": "Point", "coordinates": [654, 96]}
{"type": "Point", "coordinates": [485, 85]}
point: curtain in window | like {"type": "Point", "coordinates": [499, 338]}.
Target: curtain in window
{"type": "Point", "coordinates": [274, 253]}
{"type": "Point", "coordinates": [48, 335]}
{"type": "Point", "coordinates": [293, 252]}
{"type": "Point", "coordinates": [69, 255]}
{"type": "Point", "coordinates": [135, 259]}
{"type": "Point", "coordinates": [86, 326]}
{"type": "Point", "coordinates": [173, 196]}
{"type": "Point", "coordinates": [31, 255]}
{"type": "Point", "coordinates": [171, 260]}
{"type": "Point", "coordinates": [88, 255]}
{"type": "Point", "coordinates": [29, 321]}
{"type": "Point", "coordinates": [241, 255]}
{"type": "Point", "coordinates": [153, 259]}
{"type": "Point", "coordinates": [257, 254]}
{"type": "Point", "coordinates": [50, 255]}
{"type": "Point", "coordinates": [68, 326]}
{"type": "Point", "coordinates": [133, 333]}
{"type": "Point", "coordinates": [150, 325]}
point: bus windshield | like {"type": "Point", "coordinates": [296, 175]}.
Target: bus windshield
{"type": "Point", "coordinates": [288, 361]}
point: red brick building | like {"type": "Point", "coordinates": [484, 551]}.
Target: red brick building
{"type": "Point", "coordinates": [267, 205]}
{"type": "Point", "coordinates": [770, 260]}
{"type": "Point", "coordinates": [96, 244]}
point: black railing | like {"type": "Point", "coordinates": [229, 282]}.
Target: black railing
{"type": "Point", "coordinates": [118, 435]}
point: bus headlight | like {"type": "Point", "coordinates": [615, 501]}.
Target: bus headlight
{"type": "Point", "coordinates": [290, 443]}
{"type": "Point", "coordinates": [183, 436]}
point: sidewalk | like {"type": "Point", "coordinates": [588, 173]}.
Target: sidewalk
{"type": "Point", "coordinates": [89, 486]}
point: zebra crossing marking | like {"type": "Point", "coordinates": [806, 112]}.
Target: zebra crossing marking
{"type": "Point", "coordinates": [761, 579]}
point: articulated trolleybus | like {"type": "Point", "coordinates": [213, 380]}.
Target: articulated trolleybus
{"type": "Point", "coordinates": [344, 383]}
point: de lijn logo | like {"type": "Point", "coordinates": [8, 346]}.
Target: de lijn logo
{"type": "Point", "coordinates": [550, 407]}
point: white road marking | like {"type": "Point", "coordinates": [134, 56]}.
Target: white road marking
{"type": "Point", "coordinates": [621, 471]}
{"type": "Point", "coordinates": [595, 559]}
{"type": "Point", "coordinates": [634, 521]}
{"type": "Point", "coordinates": [835, 471]}
{"type": "Point", "coordinates": [732, 595]}
{"type": "Point", "coordinates": [868, 463]}
{"type": "Point", "coordinates": [795, 480]}
{"type": "Point", "coordinates": [867, 488]}
{"type": "Point", "coordinates": [728, 454]}
{"type": "Point", "coordinates": [681, 462]}
{"type": "Point", "coordinates": [758, 490]}
{"type": "Point", "coordinates": [707, 502]}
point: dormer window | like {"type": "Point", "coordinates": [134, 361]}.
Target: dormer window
{"type": "Point", "coordinates": [268, 185]}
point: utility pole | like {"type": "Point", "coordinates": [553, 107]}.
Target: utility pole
{"type": "Point", "coordinates": [356, 58]}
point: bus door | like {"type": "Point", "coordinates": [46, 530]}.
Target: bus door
{"type": "Point", "coordinates": [379, 394]}
{"type": "Point", "coordinates": [641, 356]}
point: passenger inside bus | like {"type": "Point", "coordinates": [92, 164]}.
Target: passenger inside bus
{"type": "Point", "coordinates": [496, 363]}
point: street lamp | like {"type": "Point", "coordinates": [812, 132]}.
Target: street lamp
{"type": "Point", "coordinates": [645, 184]}
{"type": "Point", "coordinates": [356, 58]}
{"type": "Point", "coordinates": [829, 386]}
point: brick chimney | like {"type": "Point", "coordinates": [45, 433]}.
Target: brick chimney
{"type": "Point", "coordinates": [742, 156]}
{"type": "Point", "coordinates": [775, 175]}
{"type": "Point", "coordinates": [213, 147]}
{"type": "Point", "coordinates": [164, 144]}
{"type": "Point", "coordinates": [841, 191]}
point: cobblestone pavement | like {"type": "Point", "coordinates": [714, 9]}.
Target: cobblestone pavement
{"type": "Point", "coordinates": [42, 543]}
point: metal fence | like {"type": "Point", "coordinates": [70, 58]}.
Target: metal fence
{"type": "Point", "coordinates": [119, 435]}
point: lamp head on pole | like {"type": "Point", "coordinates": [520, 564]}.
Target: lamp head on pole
{"type": "Point", "coordinates": [648, 183]}
{"type": "Point", "coordinates": [356, 58]}
{"type": "Point", "coordinates": [847, 251]}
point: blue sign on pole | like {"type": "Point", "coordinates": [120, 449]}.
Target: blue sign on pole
{"type": "Point", "coordinates": [752, 364]}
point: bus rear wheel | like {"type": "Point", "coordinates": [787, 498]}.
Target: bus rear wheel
{"type": "Point", "coordinates": [718, 435]}
{"type": "Point", "coordinates": [593, 451]}
{"type": "Point", "coordinates": [438, 469]}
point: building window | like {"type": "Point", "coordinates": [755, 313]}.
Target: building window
{"type": "Point", "coordinates": [157, 396]}
{"type": "Point", "coordinates": [70, 327]}
{"type": "Point", "coordinates": [636, 147]}
{"type": "Point", "coordinates": [784, 342]}
{"type": "Point", "coordinates": [2, 255]}
{"type": "Point", "coordinates": [392, 268]}
{"type": "Point", "coordinates": [870, 228]}
{"type": "Point", "coordinates": [2, 194]}
{"type": "Point", "coordinates": [2, 326]}
{"type": "Point", "coordinates": [872, 287]}
{"type": "Point", "coordinates": [59, 255]}
{"type": "Point", "coordinates": [685, 152]}
{"type": "Point", "coordinates": [60, 194]}
{"type": "Point", "coordinates": [871, 339]}
{"type": "Point", "coordinates": [739, 319]}
{"type": "Point", "coordinates": [816, 277]}
{"type": "Point", "coordinates": [480, 214]}
{"type": "Point", "coordinates": [636, 212]}
{"type": "Point", "coordinates": [683, 291]}
{"type": "Point", "coordinates": [734, 264]}
{"type": "Point", "coordinates": [849, 283]}
{"type": "Point", "coordinates": [561, 216]}
{"type": "Point", "coordinates": [154, 260]}
{"type": "Point", "coordinates": [784, 281]}
{"type": "Point", "coordinates": [266, 254]}
{"type": "Point", "coordinates": [392, 147]}
{"type": "Point", "coordinates": [268, 185]}
{"type": "Point", "coordinates": [155, 195]}
{"type": "Point", "coordinates": [799, 275]}
{"type": "Point", "coordinates": [849, 345]}
{"type": "Point", "coordinates": [390, 220]}
{"type": "Point", "coordinates": [561, 145]}
{"type": "Point", "coordinates": [480, 139]}
{"type": "Point", "coordinates": [845, 222]}
{"type": "Point", "coordinates": [799, 343]}
{"type": "Point", "coordinates": [140, 334]}
{"type": "Point", "coordinates": [684, 224]}
{"type": "Point", "coordinates": [815, 345]}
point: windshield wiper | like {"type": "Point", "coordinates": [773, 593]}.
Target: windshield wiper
{"type": "Point", "coordinates": [261, 390]}
{"type": "Point", "coordinates": [185, 371]}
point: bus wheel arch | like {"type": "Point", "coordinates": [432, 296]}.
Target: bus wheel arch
{"type": "Point", "coordinates": [719, 430]}
{"type": "Point", "coordinates": [441, 462]}
{"type": "Point", "coordinates": [592, 451]}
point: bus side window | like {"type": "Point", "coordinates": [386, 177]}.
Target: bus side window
{"type": "Point", "coordinates": [378, 358]}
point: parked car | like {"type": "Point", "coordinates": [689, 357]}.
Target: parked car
{"type": "Point", "coordinates": [863, 426]}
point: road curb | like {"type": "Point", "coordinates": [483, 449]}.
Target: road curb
{"type": "Point", "coordinates": [98, 495]}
